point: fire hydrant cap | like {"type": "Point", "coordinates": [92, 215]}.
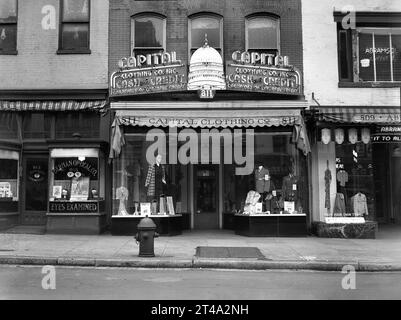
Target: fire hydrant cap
{"type": "Point", "coordinates": [146, 223]}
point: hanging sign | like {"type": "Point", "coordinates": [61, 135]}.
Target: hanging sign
{"type": "Point", "coordinates": [151, 73]}
{"type": "Point", "coordinates": [261, 72]}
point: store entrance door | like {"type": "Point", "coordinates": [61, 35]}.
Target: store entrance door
{"type": "Point", "coordinates": [395, 155]}
{"type": "Point", "coordinates": [206, 197]}
{"type": "Point", "coordinates": [34, 190]}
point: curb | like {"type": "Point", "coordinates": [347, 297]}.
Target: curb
{"type": "Point", "coordinates": [196, 263]}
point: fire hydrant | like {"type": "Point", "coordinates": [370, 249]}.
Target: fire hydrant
{"type": "Point", "coordinates": [145, 237]}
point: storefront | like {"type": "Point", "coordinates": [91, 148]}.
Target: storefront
{"type": "Point", "coordinates": [52, 164]}
{"type": "Point", "coordinates": [356, 162]}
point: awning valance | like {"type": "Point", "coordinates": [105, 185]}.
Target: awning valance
{"type": "Point", "coordinates": [62, 105]}
{"type": "Point", "coordinates": [361, 115]}
{"type": "Point", "coordinates": [209, 118]}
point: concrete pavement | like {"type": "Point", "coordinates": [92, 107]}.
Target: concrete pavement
{"type": "Point", "coordinates": [309, 253]}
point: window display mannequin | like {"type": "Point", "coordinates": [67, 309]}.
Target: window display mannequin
{"type": "Point", "coordinates": [156, 179]}
{"type": "Point", "coordinates": [327, 182]}
{"type": "Point", "coordinates": [290, 186]}
{"type": "Point", "coordinates": [264, 185]}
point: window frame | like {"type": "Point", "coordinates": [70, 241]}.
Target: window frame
{"type": "Point", "coordinates": [15, 51]}
{"type": "Point", "coordinates": [205, 15]}
{"type": "Point", "coordinates": [268, 16]}
{"type": "Point", "coordinates": [152, 15]}
{"type": "Point", "coordinates": [61, 50]}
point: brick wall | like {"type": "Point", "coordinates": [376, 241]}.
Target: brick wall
{"type": "Point", "coordinates": [233, 12]}
{"type": "Point", "coordinates": [320, 55]}
{"type": "Point", "coordinates": [38, 66]}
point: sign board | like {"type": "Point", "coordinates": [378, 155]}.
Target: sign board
{"type": "Point", "coordinates": [342, 220]}
{"type": "Point", "coordinates": [253, 78]}
{"type": "Point", "coordinates": [377, 118]}
{"type": "Point", "coordinates": [148, 74]}
{"type": "Point", "coordinates": [73, 207]}
{"type": "Point", "coordinates": [387, 134]}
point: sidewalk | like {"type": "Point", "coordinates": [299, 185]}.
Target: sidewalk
{"type": "Point", "coordinates": [310, 253]}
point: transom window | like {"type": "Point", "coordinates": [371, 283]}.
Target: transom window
{"type": "Point", "coordinates": [74, 26]}
{"type": "Point", "coordinates": [201, 26]}
{"type": "Point", "coordinates": [148, 34]}
{"type": "Point", "coordinates": [8, 26]}
{"type": "Point", "coordinates": [262, 34]}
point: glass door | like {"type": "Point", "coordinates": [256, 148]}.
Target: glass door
{"type": "Point", "coordinates": [206, 197]}
{"type": "Point", "coordinates": [34, 190]}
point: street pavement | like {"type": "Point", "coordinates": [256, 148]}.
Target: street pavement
{"type": "Point", "coordinates": [381, 254]}
{"type": "Point", "coordinates": [78, 283]}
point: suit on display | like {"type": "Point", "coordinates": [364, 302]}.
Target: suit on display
{"type": "Point", "coordinates": [264, 185]}
{"type": "Point", "coordinates": [156, 179]}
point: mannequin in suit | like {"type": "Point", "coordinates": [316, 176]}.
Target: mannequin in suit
{"type": "Point", "coordinates": [264, 185]}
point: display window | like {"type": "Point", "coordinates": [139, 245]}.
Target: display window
{"type": "Point", "coordinates": [9, 177]}
{"type": "Point", "coordinates": [77, 175]}
{"type": "Point", "coordinates": [139, 184]}
{"type": "Point", "coordinates": [278, 183]}
{"type": "Point", "coordinates": [355, 179]}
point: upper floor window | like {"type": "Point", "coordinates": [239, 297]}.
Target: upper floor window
{"type": "Point", "coordinates": [148, 34]}
{"type": "Point", "coordinates": [205, 26]}
{"type": "Point", "coordinates": [370, 52]}
{"type": "Point", "coordinates": [379, 54]}
{"type": "Point", "coordinates": [74, 26]}
{"type": "Point", "coordinates": [8, 26]}
{"type": "Point", "coordinates": [262, 34]}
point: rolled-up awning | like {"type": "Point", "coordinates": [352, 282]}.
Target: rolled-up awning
{"type": "Point", "coordinates": [361, 115]}
{"type": "Point", "coordinates": [63, 105]}
{"type": "Point", "coordinates": [238, 114]}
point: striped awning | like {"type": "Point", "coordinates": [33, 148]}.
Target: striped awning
{"type": "Point", "coordinates": [62, 105]}
{"type": "Point", "coordinates": [361, 115]}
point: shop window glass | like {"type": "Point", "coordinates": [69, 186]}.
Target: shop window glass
{"type": "Point", "coordinates": [148, 34]}
{"type": "Point", "coordinates": [9, 164]}
{"type": "Point", "coordinates": [36, 125]}
{"type": "Point", "coordinates": [130, 171]}
{"type": "Point", "coordinates": [8, 26]}
{"type": "Point", "coordinates": [270, 178]}
{"type": "Point", "coordinates": [85, 124]}
{"type": "Point", "coordinates": [75, 17]}
{"type": "Point", "coordinates": [209, 25]}
{"type": "Point", "coordinates": [263, 34]}
{"type": "Point", "coordinates": [77, 175]}
{"type": "Point", "coordinates": [354, 176]}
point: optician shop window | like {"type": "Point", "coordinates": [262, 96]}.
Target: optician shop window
{"type": "Point", "coordinates": [9, 177]}
{"type": "Point", "coordinates": [8, 27]}
{"type": "Point", "coordinates": [148, 34]}
{"type": "Point", "coordinates": [279, 177]}
{"type": "Point", "coordinates": [77, 175]}
{"type": "Point", "coordinates": [74, 26]}
{"type": "Point", "coordinates": [262, 34]}
{"type": "Point", "coordinates": [205, 25]}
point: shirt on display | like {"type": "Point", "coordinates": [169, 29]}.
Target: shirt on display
{"type": "Point", "coordinates": [359, 203]}
{"type": "Point", "coordinates": [342, 177]}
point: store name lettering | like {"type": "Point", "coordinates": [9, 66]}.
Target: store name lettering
{"type": "Point", "coordinates": [74, 164]}
{"type": "Point", "coordinates": [266, 59]}
{"type": "Point", "coordinates": [149, 60]}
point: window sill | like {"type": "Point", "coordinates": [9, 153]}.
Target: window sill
{"type": "Point", "coordinates": [8, 53]}
{"type": "Point", "coordinates": [369, 84]}
{"type": "Point", "coordinates": [78, 51]}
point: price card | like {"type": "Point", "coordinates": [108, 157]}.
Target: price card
{"type": "Point", "coordinates": [274, 193]}
{"type": "Point", "coordinates": [294, 187]}
{"type": "Point", "coordinates": [267, 177]}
